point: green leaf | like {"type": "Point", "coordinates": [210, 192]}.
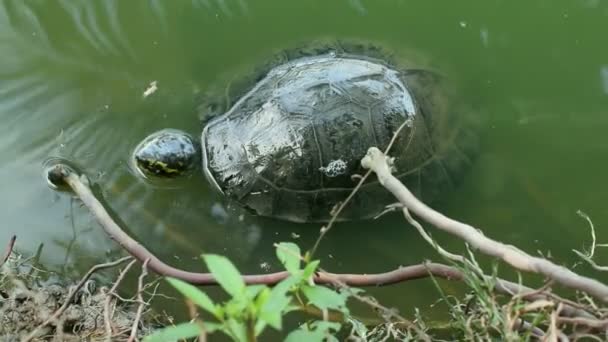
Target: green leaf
{"type": "Point", "coordinates": [253, 290]}
{"type": "Point", "coordinates": [261, 299]}
{"type": "Point", "coordinates": [226, 274]}
{"type": "Point", "coordinates": [310, 269]}
{"type": "Point", "coordinates": [237, 306]}
{"type": "Point", "coordinates": [174, 333]}
{"type": "Point", "coordinates": [325, 298]}
{"type": "Point", "coordinates": [326, 326]}
{"type": "Point", "coordinates": [272, 313]}
{"type": "Point", "coordinates": [289, 254]}
{"type": "Point", "coordinates": [211, 327]}
{"type": "Point", "coordinates": [259, 327]}
{"type": "Point", "coordinates": [197, 296]}
{"type": "Point", "coordinates": [322, 332]}
{"type": "Point", "coordinates": [237, 330]}
{"type": "Point", "coordinates": [274, 308]}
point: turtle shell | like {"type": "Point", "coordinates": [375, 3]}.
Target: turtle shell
{"type": "Point", "coordinates": [289, 146]}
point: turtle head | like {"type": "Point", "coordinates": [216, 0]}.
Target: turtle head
{"type": "Point", "coordinates": [167, 154]}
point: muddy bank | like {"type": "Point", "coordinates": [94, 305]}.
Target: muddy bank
{"type": "Point", "coordinates": [30, 298]}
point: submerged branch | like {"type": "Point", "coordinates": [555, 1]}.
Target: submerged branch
{"type": "Point", "coordinates": [380, 164]}
{"type": "Point", "coordinates": [61, 173]}
{"type": "Point", "coordinates": [137, 250]}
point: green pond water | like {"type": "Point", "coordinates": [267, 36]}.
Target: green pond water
{"type": "Point", "coordinates": [72, 75]}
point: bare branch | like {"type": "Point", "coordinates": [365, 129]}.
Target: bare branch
{"type": "Point", "coordinates": [589, 257]}
{"type": "Point", "coordinates": [590, 261]}
{"type": "Point", "coordinates": [433, 243]}
{"type": "Point", "coordinates": [343, 204]}
{"type": "Point", "coordinates": [107, 312]}
{"type": "Point", "coordinates": [388, 313]}
{"type": "Point", "coordinates": [591, 323]}
{"type": "Point", "coordinates": [378, 162]}
{"type": "Point", "coordinates": [553, 332]}
{"type": "Point", "coordinates": [140, 299]}
{"type": "Point", "coordinates": [592, 228]}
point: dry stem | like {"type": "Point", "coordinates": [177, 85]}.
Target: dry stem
{"type": "Point", "coordinates": [140, 299]}
{"type": "Point", "coordinates": [378, 162]}
{"type": "Point", "coordinates": [343, 204]}
{"type": "Point", "coordinates": [107, 311]}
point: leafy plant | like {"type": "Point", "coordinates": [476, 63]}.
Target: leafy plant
{"type": "Point", "coordinates": [251, 309]}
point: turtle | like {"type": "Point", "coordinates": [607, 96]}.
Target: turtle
{"type": "Point", "coordinates": [290, 144]}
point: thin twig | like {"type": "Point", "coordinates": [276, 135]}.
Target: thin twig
{"type": "Point", "coordinates": [9, 250]}
{"type": "Point", "coordinates": [591, 323]}
{"type": "Point", "coordinates": [71, 295]}
{"type": "Point", "coordinates": [592, 228]}
{"type": "Point", "coordinates": [589, 257]}
{"type": "Point", "coordinates": [553, 332]}
{"type": "Point", "coordinates": [523, 325]}
{"type": "Point", "coordinates": [433, 243]}
{"type": "Point", "coordinates": [585, 337]}
{"type": "Point", "coordinates": [140, 299]}
{"type": "Point", "coordinates": [379, 163]}
{"type": "Point", "coordinates": [388, 313]}
{"type": "Point", "coordinates": [343, 204]}
{"type": "Point", "coordinates": [107, 311]}
{"type": "Point", "coordinates": [590, 261]}
{"type": "Point", "coordinates": [540, 294]}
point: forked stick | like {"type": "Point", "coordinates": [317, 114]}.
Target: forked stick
{"type": "Point", "coordinates": [378, 162]}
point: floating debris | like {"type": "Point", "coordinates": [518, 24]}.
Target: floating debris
{"type": "Point", "coordinates": [265, 266]}
{"type": "Point", "coordinates": [152, 88]}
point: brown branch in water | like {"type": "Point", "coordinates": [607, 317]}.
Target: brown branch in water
{"type": "Point", "coordinates": [140, 299]}
{"type": "Point", "coordinates": [138, 251]}
{"type": "Point", "coordinates": [70, 297]}
{"type": "Point", "coordinates": [520, 260]}
{"type": "Point", "coordinates": [61, 173]}
{"type": "Point", "coordinates": [9, 250]}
